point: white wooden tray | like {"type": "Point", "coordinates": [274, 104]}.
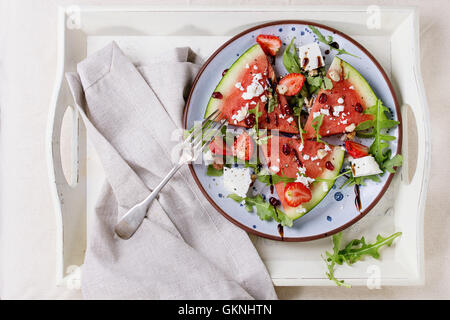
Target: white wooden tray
{"type": "Point", "coordinates": [391, 34]}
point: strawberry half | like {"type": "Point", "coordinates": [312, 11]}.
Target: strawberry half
{"type": "Point", "coordinates": [291, 84]}
{"type": "Point", "coordinates": [269, 43]}
{"type": "Point", "coordinates": [243, 147]}
{"type": "Point", "coordinates": [356, 150]}
{"type": "Point", "coordinates": [295, 193]}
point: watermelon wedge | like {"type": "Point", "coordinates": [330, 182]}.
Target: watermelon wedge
{"type": "Point", "coordinates": [343, 106]}
{"type": "Point", "coordinates": [244, 86]}
{"type": "Point", "coordinates": [289, 156]}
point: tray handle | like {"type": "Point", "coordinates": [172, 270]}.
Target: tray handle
{"type": "Point", "coordinates": [69, 198]}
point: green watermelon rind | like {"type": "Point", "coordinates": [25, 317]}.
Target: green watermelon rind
{"type": "Point", "coordinates": [230, 78]}
{"type": "Point", "coordinates": [357, 81]}
{"type": "Point", "coordinates": [317, 187]}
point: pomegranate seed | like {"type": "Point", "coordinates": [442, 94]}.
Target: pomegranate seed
{"type": "Point", "coordinates": [274, 201]}
{"type": "Point", "coordinates": [250, 120]}
{"type": "Point", "coordinates": [359, 108]}
{"type": "Point", "coordinates": [329, 166]}
{"type": "Point", "coordinates": [286, 149]}
{"type": "Point", "coordinates": [323, 98]}
{"type": "Point", "coordinates": [224, 72]}
{"type": "Point", "coordinates": [217, 95]}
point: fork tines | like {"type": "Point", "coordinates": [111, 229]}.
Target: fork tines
{"type": "Point", "coordinates": [208, 128]}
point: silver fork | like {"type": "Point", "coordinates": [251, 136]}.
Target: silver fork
{"type": "Point", "coordinates": [131, 221]}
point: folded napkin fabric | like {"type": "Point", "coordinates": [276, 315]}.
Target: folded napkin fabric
{"type": "Point", "coordinates": [184, 249]}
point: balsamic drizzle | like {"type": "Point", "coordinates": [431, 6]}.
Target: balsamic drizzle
{"type": "Point", "coordinates": [357, 198]}
{"type": "Point", "coordinates": [281, 231]}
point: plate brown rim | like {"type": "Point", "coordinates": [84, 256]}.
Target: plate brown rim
{"type": "Point", "coordinates": [399, 144]}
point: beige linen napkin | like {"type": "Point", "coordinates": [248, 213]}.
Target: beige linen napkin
{"type": "Point", "coordinates": [184, 249]}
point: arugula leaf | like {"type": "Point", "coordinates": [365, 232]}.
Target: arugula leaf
{"type": "Point", "coordinates": [314, 84]}
{"type": "Point", "coordinates": [264, 210]}
{"type": "Point", "coordinates": [379, 148]}
{"type": "Point", "coordinates": [290, 59]}
{"type": "Point", "coordinates": [254, 166]}
{"type": "Point", "coordinates": [354, 251]}
{"type": "Point", "coordinates": [273, 102]}
{"type": "Point", "coordinates": [300, 129]}
{"type": "Point", "coordinates": [265, 178]}
{"type": "Point", "coordinates": [316, 124]}
{"type": "Point", "coordinates": [390, 164]}
{"type": "Point", "coordinates": [332, 258]}
{"type": "Point", "coordinates": [213, 172]}
{"type": "Point", "coordinates": [317, 82]}
{"type": "Point", "coordinates": [351, 180]}
{"type": "Point", "coordinates": [283, 219]}
{"type": "Point", "coordinates": [328, 42]}
{"type": "Point", "coordinates": [380, 122]}
{"type": "Point", "coordinates": [257, 114]}
{"type": "Point", "coordinates": [335, 178]}
{"type": "Point", "coordinates": [320, 36]}
{"type": "Point", "coordinates": [263, 140]}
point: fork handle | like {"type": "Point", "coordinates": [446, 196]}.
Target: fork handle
{"type": "Point", "coordinates": [131, 221]}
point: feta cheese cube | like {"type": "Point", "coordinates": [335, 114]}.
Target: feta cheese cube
{"type": "Point", "coordinates": [241, 114]}
{"type": "Point", "coordinates": [304, 179]}
{"type": "Point", "coordinates": [365, 166]}
{"type": "Point", "coordinates": [302, 170]}
{"type": "Point", "coordinates": [237, 180]}
{"type": "Point", "coordinates": [350, 128]}
{"type": "Point", "coordinates": [337, 110]}
{"type": "Point", "coordinates": [275, 169]}
{"type": "Point", "coordinates": [310, 56]}
{"type": "Point", "coordinates": [239, 86]}
{"type": "Point", "coordinates": [255, 89]}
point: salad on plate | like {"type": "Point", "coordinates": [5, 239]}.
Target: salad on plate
{"type": "Point", "coordinates": [296, 132]}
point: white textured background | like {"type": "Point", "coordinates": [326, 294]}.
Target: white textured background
{"type": "Point", "coordinates": [27, 228]}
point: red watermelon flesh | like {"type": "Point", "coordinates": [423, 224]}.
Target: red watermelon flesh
{"type": "Point", "coordinates": [333, 124]}
{"type": "Point", "coordinates": [307, 158]}
{"type": "Point", "coordinates": [350, 91]}
{"type": "Point", "coordinates": [253, 64]}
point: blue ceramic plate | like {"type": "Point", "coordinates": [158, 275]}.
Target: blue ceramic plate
{"type": "Point", "coordinates": [337, 210]}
